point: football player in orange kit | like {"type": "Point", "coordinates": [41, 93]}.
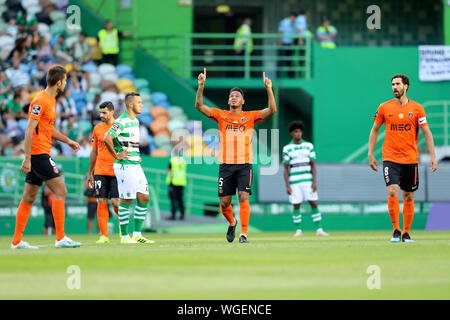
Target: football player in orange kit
{"type": "Point", "coordinates": [402, 118]}
{"type": "Point", "coordinates": [39, 166]}
{"type": "Point", "coordinates": [235, 153]}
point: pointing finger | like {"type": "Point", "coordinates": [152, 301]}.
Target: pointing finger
{"type": "Point", "coordinates": [264, 76]}
{"type": "Point", "coordinates": [204, 71]}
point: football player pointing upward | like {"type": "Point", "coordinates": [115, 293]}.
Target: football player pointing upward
{"type": "Point", "coordinates": [402, 118]}
{"type": "Point", "coordinates": [235, 153]}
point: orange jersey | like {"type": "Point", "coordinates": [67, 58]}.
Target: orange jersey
{"type": "Point", "coordinates": [402, 130]}
{"type": "Point", "coordinates": [43, 109]}
{"type": "Point", "coordinates": [105, 161]}
{"type": "Point", "coordinates": [236, 134]}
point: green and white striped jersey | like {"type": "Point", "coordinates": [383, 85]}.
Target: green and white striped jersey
{"type": "Point", "coordinates": [125, 133]}
{"type": "Point", "coordinates": [298, 156]}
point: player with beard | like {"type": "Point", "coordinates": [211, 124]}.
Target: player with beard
{"type": "Point", "coordinates": [402, 118]}
{"type": "Point", "coordinates": [39, 166]}
{"type": "Point", "coordinates": [235, 153]}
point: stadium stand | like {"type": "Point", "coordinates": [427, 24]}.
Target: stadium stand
{"type": "Point", "coordinates": [33, 36]}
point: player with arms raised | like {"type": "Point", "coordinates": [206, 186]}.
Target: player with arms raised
{"type": "Point", "coordinates": [235, 153]}
{"type": "Point", "coordinates": [402, 118]}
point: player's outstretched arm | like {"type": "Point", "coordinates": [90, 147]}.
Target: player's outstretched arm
{"type": "Point", "coordinates": [199, 98]}
{"type": "Point", "coordinates": [60, 137]}
{"type": "Point", "coordinates": [372, 142]}
{"type": "Point", "coordinates": [430, 144]}
{"type": "Point", "coordinates": [26, 163]}
{"type": "Point", "coordinates": [272, 106]}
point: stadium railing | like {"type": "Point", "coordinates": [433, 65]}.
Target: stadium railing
{"type": "Point", "coordinates": [200, 191]}
{"type": "Point", "coordinates": [438, 117]}
{"type": "Point", "coordinates": [186, 54]}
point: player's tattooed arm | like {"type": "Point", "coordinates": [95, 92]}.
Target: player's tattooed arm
{"type": "Point", "coordinates": [430, 144]}
{"type": "Point", "coordinates": [372, 142]}
{"type": "Point", "coordinates": [272, 106]}
{"type": "Point", "coordinates": [26, 163]}
{"type": "Point", "coordinates": [199, 98]}
{"type": "Point", "coordinates": [60, 137]}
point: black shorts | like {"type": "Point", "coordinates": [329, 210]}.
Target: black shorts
{"type": "Point", "coordinates": [405, 175]}
{"type": "Point", "coordinates": [43, 168]}
{"type": "Point", "coordinates": [106, 187]}
{"type": "Point", "coordinates": [92, 209]}
{"type": "Point", "coordinates": [232, 176]}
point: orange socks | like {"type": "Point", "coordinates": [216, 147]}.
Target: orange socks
{"type": "Point", "coordinates": [244, 213]}
{"type": "Point", "coordinates": [102, 218]}
{"type": "Point", "coordinates": [23, 213]}
{"type": "Point", "coordinates": [59, 212]}
{"type": "Point", "coordinates": [408, 215]}
{"type": "Point", "coordinates": [394, 211]}
{"type": "Point", "coordinates": [228, 214]}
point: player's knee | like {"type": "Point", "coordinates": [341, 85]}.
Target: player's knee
{"type": "Point", "coordinates": [61, 193]}
{"type": "Point", "coordinates": [408, 196]}
{"type": "Point", "coordinates": [29, 197]}
{"type": "Point", "coordinates": [243, 196]}
{"type": "Point", "coordinates": [225, 203]}
{"type": "Point", "coordinates": [143, 198]}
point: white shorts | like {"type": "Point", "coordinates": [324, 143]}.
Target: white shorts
{"type": "Point", "coordinates": [130, 180]}
{"type": "Point", "coordinates": [302, 192]}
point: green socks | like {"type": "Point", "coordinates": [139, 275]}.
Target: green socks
{"type": "Point", "coordinates": [317, 218]}
{"type": "Point", "coordinates": [124, 218]}
{"type": "Point", "coordinates": [140, 212]}
{"type": "Point", "coordinates": [297, 218]}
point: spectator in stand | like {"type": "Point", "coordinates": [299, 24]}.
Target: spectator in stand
{"type": "Point", "coordinates": [61, 52]}
{"type": "Point", "coordinates": [44, 49]}
{"type": "Point", "coordinates": [242, 42]}
{"type": "Point", "coordinates": [38, 75]}
{"type": "Point", "coordinates": [5, 88]}
{"type": "Point", "coordinates": [12, 28]}
{"type": "Point", "coordinates": [81, 50]}
{"type": "Point", "coordinates": [65, 109]}
{"type": "Point", "coordinates": [16, 76]}
{"type": "Point", "coordinates": [14, 108]}
{"type": "Point", "coordinates": [26, 22]}
{"type": "Point", "coordinates": [78, 81]}
{"type": "Point", "coordinates": [326, 34]}
{"type": "Point", "coordinates": [301, 25]}
{"type": "Point", "coordinates": [288, 29]}
{"type": "Point", "coordinates": [20, 50]}
{"type": "Point", "coordinates": [144, 147]}
{"type": "Point", "coordinates": [108, 39]}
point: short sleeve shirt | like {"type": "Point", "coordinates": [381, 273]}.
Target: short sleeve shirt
{"type": "Point", "coordinates": [402, 130]}
{"type": "Point", "coordinates": [105, 161]}
{"type": "Point", "coordinates": [236, 135]}
{"type": "Point", "coordinates": [42, 109]}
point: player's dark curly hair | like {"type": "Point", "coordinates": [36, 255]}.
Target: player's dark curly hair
{"type": "Point", "coordinates": [107, 104]}
{"type": "Point", "coordinates": [404, 77]}
{"type": "Point", "coordinates": [296, 125]}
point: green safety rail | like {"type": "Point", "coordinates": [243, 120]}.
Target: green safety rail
{"type": "Point", "coordinates": [438, 118]}
{"type": "Point", "coordinates": [187, 55]}
{"type": "Point", "coordinates": [200, 191]}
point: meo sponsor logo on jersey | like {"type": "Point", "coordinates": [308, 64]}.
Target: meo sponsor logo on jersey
{"type": "Point", "coordinates": [400, 127]}
{"type": "Point", "coordinates": [36, 110]}
{"type": "Point", "coordinates": [235, 127]}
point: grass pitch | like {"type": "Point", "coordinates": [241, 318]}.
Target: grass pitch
{"type": "Point", "coordinates": [193, 266]}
